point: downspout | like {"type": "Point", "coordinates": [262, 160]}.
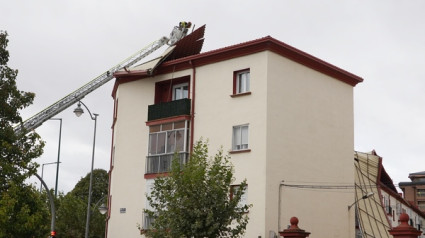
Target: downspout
{"type": "Point", "coordinates": [114, 119]}
{"type": "Point", "coordinates": [279, 207]}
{"type": "Point", "coordinates": [192, 116]}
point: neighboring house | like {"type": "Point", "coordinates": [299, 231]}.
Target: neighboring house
{"type": "Point", "coordinates": [283, 115]}
{"type": "Point", "coordinates": [414, 191]}
{"type": "Point", "coordinates": [380, 212]}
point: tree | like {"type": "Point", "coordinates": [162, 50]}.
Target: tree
{"type": "Point", "coordinates": [72, 208]}
{"type": "Point", "coordinates": [194, 200]}
{"type": "Point", "coordinates": [24, 212]}
{"type": "Point", "coordinates": [17, 150]}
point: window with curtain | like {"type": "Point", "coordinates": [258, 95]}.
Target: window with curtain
{"type": "Point", "coordinates": [240, 137]}
{"type": "Point", "coordinates": [242, 81]}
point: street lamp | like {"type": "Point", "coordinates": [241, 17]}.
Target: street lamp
{"type": "Point", "coordinates": [52, 206]}
{"type": "Point", "coordinates": [368, 195]}
{"type": "Point", "coordinates": [59, 152]}
{"type": "Point", "coordinates": [79, 111]}
{"type": "Point", "coordinates": [102, 208]}
{"type": "Point", "coordinates": [42, 172]}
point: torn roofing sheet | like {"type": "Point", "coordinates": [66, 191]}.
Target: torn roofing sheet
{"type": "Point", "coordinates": [189, 45]}
{"type": "Point", "coordinates": [371, 216]}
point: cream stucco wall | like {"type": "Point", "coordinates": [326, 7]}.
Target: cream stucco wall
{"type": "Point", "coordinates": [300, 129]}
{"type": "Point", "coordinates": [310, 140]}
{"type": "Point", "coordinates": [217, 112]}
{"type": "Point", "coordinates": [130, 142]}
{"type": "Point", "coordinates": [127, 187]}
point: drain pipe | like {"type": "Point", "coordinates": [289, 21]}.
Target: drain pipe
{"type": "Point", "coordinates": [192, 123]}
{"type": "Point", "coordinates": [279, 208]}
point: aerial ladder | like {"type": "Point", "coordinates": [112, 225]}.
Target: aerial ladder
{"type": "Point", "coordinates": [35, 121]}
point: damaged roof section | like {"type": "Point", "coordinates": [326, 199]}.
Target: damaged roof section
{"type": "Point", "coordinates": [188, 46]}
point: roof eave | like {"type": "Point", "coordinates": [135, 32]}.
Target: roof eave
{"type": "Point", "coordinates": [262, 44]}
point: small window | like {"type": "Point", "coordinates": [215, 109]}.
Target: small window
{"type": "Point", "coordinates": [244, 197]}
{"type": "Point", "coordinates": [240, 137]}
{"type": "Point", "coordinates": [241, 82]}
{"type": "Point", "coordinates": [150, 183]}
{"type": "Point", "coordinates": [172, 89]}
{"type": "Point", "coordinates": [180, 91]}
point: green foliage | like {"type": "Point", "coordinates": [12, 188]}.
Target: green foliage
{"type": "Point", "coordinates": [99, 187]}
{"type": "Point", "coordinates": [71, 216]}
{"type": "Point", "coordinates": [16, 149]}
{"type": "Point", "coordinates": [72, 208]}
{"type": "Point", "coordinates": [24, 212]}
{"type": "Point", "coordinates": [194, 201]}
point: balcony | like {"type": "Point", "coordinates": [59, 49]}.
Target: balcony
{"type": "Point", "coordinates": [162, 163]}
{"type": "Point", "coordinates": [169, 109]}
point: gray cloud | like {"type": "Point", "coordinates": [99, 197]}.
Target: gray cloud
{"type": "Point", "coordinates": [59, 46]}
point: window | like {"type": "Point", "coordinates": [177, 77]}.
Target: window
{"type": "Point", "coordinates": [421, 205]}
{"type": "Point", "coordinates": [240, 137]}
{"type": "Point", "coordinates": [167, 138]}
{"type": "Point", "coordinates": [164, 141]}
{"type": "Point", "coordinates": [150, 183]}
{"type": "Point", "coordinates": [241, 82]}
{"type": "Point", "coordinates": [173, 89]}
{"type": "Point", "coordinates": [244, 197]}
{"type": "Point", "coordinates": [147, 221]}
{"type": "Point", "coordinates": [180, 91]}
{"type": "Point", "coordinates": [421, 192]}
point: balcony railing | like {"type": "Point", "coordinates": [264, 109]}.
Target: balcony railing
{"type": "Point", "coordinates": [162, 163]}
{"type": "Point", "coordinates": [169, 109]}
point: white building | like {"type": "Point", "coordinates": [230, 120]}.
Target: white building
{"type": "Point", "coordinates": [282, 115]}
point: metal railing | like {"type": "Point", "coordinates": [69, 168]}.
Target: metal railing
{"type": "Point", "coordinates": [162, 163]}
{"type": "Point", "coordinates": [169, 109]}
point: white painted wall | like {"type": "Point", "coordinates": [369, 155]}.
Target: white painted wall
{"type": "Point", "coordinates": [300, 130]}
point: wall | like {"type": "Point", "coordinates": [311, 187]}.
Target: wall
{"type": "Point", "coordinates": [217, 112]}
{"type": "Point", "coordinates": [300, 130]}
{"type": "Point", "coordinates": [310, 140]}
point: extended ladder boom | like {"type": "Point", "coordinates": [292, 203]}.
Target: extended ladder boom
{"type": "Point", "coordinates": [38, 119]}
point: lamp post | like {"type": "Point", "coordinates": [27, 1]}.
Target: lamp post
{"type": "Point", "coordinates": [102, 208]}
{"type": "Point", "coordinates": [368, 195]}
{"type": "Point", "coordinates": [79, 111]}
{"type": "Point", "coordinates": [52, 205]}
{"type": "Point", "coordinates": [42, 172]}
{"type": "Point", "coordinates": [59, 152]}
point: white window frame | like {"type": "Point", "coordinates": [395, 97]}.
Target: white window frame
{"type": "Point", "coordinates": [181, 86]}
{"type": "Point", "coordinates": [243, 80]}
{"type": "Point", "coordinates": [240, 135]}
{"type": "Point", "coordinates": [167, 132]}
{"type": "Point", "coordinates": [150, 183]}
{"type": "Point", "coordinates": [244, 197]}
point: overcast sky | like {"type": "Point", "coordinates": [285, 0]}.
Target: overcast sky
{"type": "Point", "coordinates": [58, 46]}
